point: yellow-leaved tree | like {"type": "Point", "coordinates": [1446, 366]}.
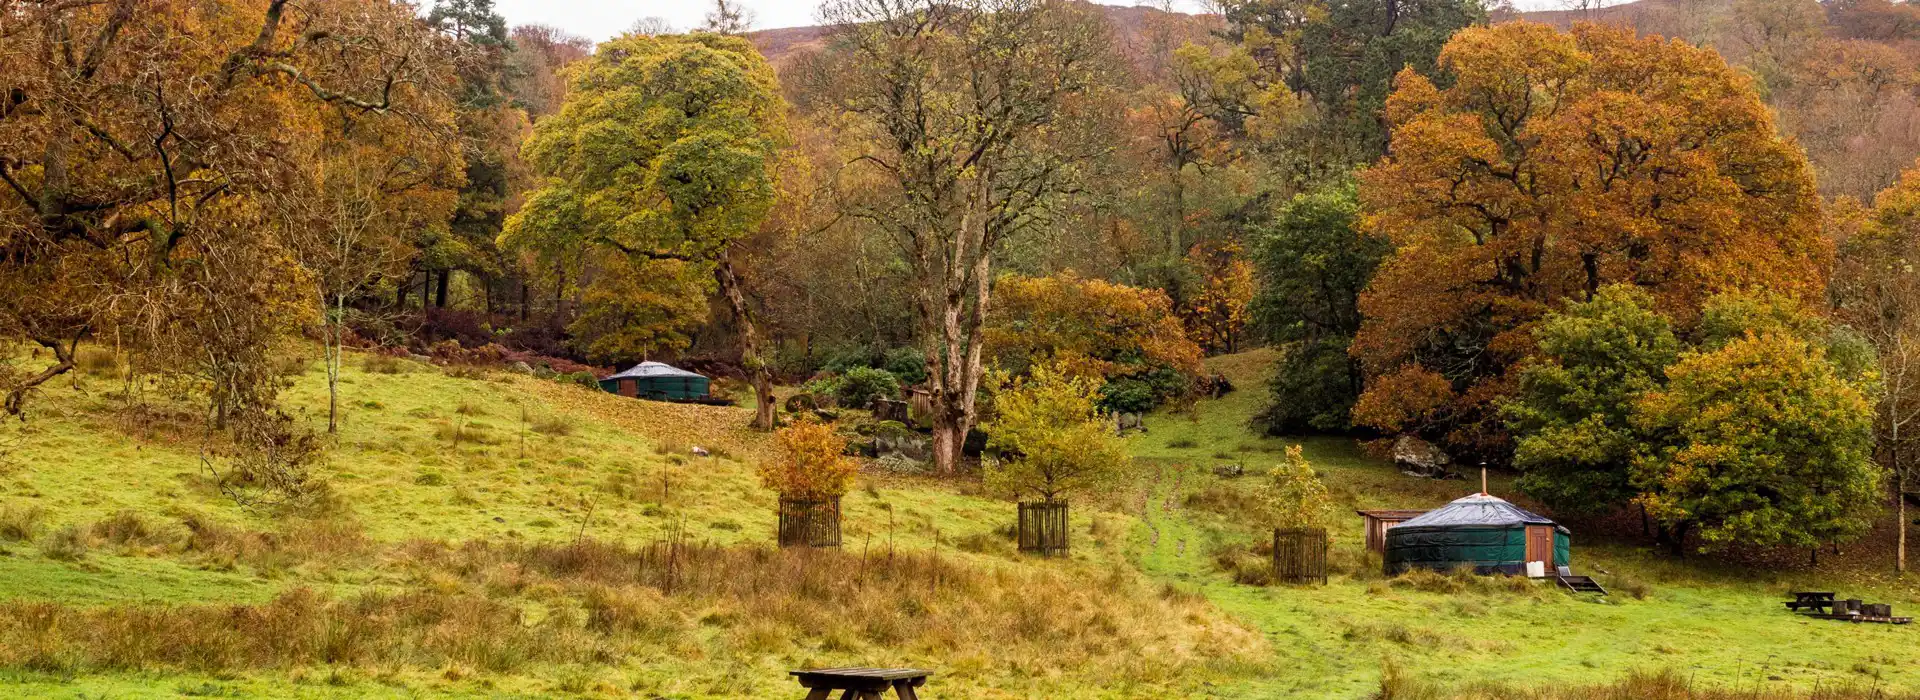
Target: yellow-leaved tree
{"type": "Point", "coordinates": [1051, 437]}
{"type": "Point", "coordinates": [1295, 495]}
{"type": "Point", "coordinates": [812, 464]}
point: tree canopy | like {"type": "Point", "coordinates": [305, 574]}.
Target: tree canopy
{"type": "Point", "coordinates": [1552, 165]}
{"type": "Point", "coordinates": [1051, 436]}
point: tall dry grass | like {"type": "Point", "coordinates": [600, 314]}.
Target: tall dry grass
{"type": "Point", "coordinates": [501, 607]}
{"type": "Point", "coordinates": [299, 628]}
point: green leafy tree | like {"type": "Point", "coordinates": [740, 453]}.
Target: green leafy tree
{"type": "Point", "coordinates": [665, 152]}
{"type": "Point", "coordinates": [1313, 262]}
{"type": "Point", "coordinates": [1339, 57]}
{"type": "Point", "coordinates": [1763, 442]}
{"type": "Point", "coordinates": [1572, 417]}
{"type": "Point", "coordinates": [1052, 437]}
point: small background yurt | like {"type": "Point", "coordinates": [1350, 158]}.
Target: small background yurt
{"type": "Point", "coordinates": [657, 380]}
{"type": "Point", "coordinates": [1483, 532]}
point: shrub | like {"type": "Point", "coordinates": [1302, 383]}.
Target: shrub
{"type": "Point", "coordinates": [21, 523]}
{"type": "Point", "coordinates": [861, 385]}
{"type": "Point", "coordinates": [824, 385]}
{"type": "Point", "coordinates": [69, 543]}
{"type": "Point", "coordinates": [812, 464]}
{"type": "Point", "coordinates": [909, 365]}
{"type": "Point", "coordinates": [1127, 395]}
{"type": "Point", "coordinates": [585, 379]}
{"type": "Point", "coordinates": [1245, 564]}
{"type": "Point", "coordinates": [128, 528]}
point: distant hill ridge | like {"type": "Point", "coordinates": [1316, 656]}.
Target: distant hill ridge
{"type": "Point", "coordinates": [1130, 24]}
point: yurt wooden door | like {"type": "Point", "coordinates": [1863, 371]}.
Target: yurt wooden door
{"type": "Point", "coordinates": [1540, 544]}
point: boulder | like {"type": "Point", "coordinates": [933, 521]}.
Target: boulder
{"type": "Point", "coordinates": [1230, 471]}
{"type": "Point", "coordinates": [1124, 423]}
{"type": "Point", "coordinates": [889, 409]}
{"type": "Point", "coordinates": [521, 368]}
{"type": "Point", "coordinates": [800, 403]}
{"type": "Point", "coordinates": [826, 414]}
{"type": "Point", "coordinates": [910, 445]}
{"type": "Point", "coordinates": [1417, 457]}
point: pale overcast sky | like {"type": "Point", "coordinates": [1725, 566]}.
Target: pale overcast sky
{"type": "Point", "coordinates": [603, 19]}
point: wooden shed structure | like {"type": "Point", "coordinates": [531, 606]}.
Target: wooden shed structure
{"type": "Point", "coordinates": [658, 381]}
{"type": "Point", "coordinates": [1379, 520]}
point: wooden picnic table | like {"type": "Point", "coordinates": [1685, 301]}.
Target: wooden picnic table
{"type": "Point", "coordinates": [1816, 600]}
{"type": "Point", "coordinates": [862, 683]}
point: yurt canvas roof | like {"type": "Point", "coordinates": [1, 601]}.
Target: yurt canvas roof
{"type": "Point", "coordinates": [654, 369]}
{"type": "Point", "coordinates": [1477, 510]}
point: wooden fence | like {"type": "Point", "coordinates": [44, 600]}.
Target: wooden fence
{"type": "Point", "coordinates": [1043, 528]}
{"type": "Point", "coordinates": [810, 523]}
{"type": "Point", "coordinates": [1300, 555]}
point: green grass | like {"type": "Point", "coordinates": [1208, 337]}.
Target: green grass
{"type": "Point", "coordinates": [1718, 624]}
{"type": "Point", "coordinates": [425, 454]}
{"type": "Point", "coordinates": [85, 456]}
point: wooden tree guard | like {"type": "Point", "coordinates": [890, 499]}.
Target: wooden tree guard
{"type": "Point", "coordinates": [1043, 528]}
{"type": "Point", "coordinates": [1299, 555]}
{"type": "Point", "coordinates": [810, 523]}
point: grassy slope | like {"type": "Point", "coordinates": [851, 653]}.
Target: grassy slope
{"type": "Point", "coordinates": [82, 459]}
{"type": "Point", "coordinates": [1720, 626]}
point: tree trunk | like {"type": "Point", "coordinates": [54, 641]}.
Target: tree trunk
{"type": "Point", "coordinates": [400, 292]}
{"type": "Point", "coordinates": [1900, 516]}
{"type": "Point", "coordinates": [440, 289]}
{"type": "Point", "coordinates": [426, 289]}
{"type": "Point", "coordinates": [330, 347]}
{"type": "Point", "coordinates": [16, 404]}
{"type": "Point", "coordinates": [756, 366]}
{"type": "Point", "coordinates": [523, 301]}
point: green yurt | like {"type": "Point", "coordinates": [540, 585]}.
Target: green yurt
{"type": "Point", "coordinates": [658, 381]}
{"type": "Point", "coordinates": [1479, 531]}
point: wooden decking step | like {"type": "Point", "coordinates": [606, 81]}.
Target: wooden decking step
{"type": "Point", "coordinates": [1582, 584]}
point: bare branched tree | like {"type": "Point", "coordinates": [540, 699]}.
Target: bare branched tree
{"type": "Point", "coordinates": [965, 117]}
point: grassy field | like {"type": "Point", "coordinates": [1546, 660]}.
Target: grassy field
{"type": "Point", "coordinates": [499, 536]}
{"type": "Point", "coordinates": [477, 503]}
{"type": "Point", "coordinates": [1714, 623]}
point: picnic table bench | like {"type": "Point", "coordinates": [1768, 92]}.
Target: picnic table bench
{"type": "Point", "coordinates": [1812, 600]}
{"type": "Point", "coordinates": [862, 683]}
{"type": "Point", "coordinates": [1850, 610]}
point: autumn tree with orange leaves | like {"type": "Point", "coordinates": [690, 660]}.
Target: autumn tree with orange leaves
{"type": "Point", "coordinates": [1126, 336]}
{"type": "Point", "coordinates": [155, 154]}
{"type": "Point", "coordinates": [1216, 312]}
{"type": "Point", "coordinates": [1553, 164]}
